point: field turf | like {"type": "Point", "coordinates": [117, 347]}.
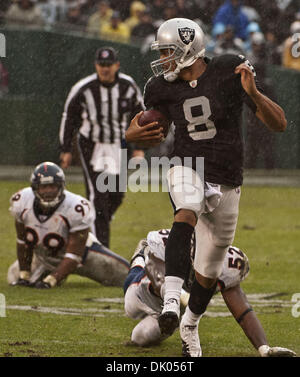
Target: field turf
{"type": "Point", "coordinates": [80, 319]}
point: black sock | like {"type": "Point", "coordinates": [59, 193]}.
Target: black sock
{"type": "Point", "coordinates": [200, 297]}
{"type": "Point", "coordinates": [178, 248]}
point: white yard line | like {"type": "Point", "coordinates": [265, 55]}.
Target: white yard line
{"type": "Point", "coordinates": [95, 312]}
{"type": "Point", "coordinates": [257, 299]}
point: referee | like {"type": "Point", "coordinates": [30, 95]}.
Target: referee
{"type": "Point", "coordinates": [98, 109]}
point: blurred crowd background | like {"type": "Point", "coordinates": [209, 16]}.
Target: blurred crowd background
{"type": "Point", "coordinates": [267, 32]}
{"type": "Point", "coordinates": [256, 28]}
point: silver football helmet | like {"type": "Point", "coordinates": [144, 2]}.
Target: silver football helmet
{"type": "Point", "coordinates": [185, 41]}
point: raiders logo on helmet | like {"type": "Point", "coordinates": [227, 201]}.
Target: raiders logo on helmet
{"type": "Point", "coordinates": [186, 34]}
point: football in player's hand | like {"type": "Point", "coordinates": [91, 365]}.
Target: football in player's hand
{"type": "Point", "coordinates": [153, 115]}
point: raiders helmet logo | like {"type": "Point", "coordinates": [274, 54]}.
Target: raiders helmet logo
{"type": "Point", "coordinates": [186, 34]}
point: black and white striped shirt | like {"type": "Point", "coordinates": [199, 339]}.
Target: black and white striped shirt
{"type": "Point", "coordinates": [100, 112]}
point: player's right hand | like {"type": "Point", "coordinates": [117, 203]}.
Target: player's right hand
{"type": "Point", "coordinates": [143, 134]}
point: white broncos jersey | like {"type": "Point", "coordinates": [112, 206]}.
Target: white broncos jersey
{"type": "Point", "coordinates": [49, 236]}
{"type": "Point", "coordinates": [235, 265]}
{"type": "Point", "coordinates": [139, 301]}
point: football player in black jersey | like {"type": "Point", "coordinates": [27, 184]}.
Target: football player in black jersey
{"type": "Point", "coordinates": [204, 99]}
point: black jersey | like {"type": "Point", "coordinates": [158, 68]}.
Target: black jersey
{"type": "Point", "coordinates": [207, 115]}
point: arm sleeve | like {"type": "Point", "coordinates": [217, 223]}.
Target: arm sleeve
{"type": "Point", "coordinates": [154, 96]}
{"type": "Point", "coordinates": [17, 204]}
{"type": "Point", "coordinates": [81, 215]}
{"type": "Point", "coordinates": [71, 119]}
{"type": "Point", "coordinates": [238, 85]}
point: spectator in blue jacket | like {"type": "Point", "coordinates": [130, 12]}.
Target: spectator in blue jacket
{"type": "Point", "coordinates": [230, 13]}
{"type": "Point", "coordinates": [253, 27]}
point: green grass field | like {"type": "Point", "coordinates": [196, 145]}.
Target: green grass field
{"type": "Point", "coordinates": [77, 319]}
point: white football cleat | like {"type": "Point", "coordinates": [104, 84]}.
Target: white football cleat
{"type": "Point", "coordinates": [169, 319]}
{"type": "Point", "coordinates": [266, 351]}
{"type": "Point", "coordinates": [190, 340]}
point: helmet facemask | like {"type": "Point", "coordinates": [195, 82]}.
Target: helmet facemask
{"type": "Point", "coordinates": [49, 199]}
{"type": "Point", "coordinates": [159, 66]}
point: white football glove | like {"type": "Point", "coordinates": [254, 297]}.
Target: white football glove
{"type": "Point", "coordinates": [266, 351]}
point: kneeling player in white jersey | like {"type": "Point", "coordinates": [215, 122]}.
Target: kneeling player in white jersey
{"type": "Point", "coordinates": [144, 287]}
{"type": "Point", "coordinates": [53, 237]}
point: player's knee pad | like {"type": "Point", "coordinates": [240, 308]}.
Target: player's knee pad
{"type": "Point", "coordinates": [186, 189]}
{"type": "Point", "coordinates": [146, 332]}
{"type": "Point", "coordinates": [209, 257]}
{"type": "Point", "coordinates": [210, 263]}
{"type": "Point", "coordinates": [223, 235]}
{"type": "Point", "coordinates": [224, 219]}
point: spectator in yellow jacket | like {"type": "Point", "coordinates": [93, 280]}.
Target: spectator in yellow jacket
{"type": "Point", "coordinates": [97, 19]}
{"type": "Point", "coordinates": [115, 30]}
{"type": "Point", "coordinates": [136, 9]}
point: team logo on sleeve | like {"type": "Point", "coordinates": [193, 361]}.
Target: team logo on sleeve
{"type": "Point", "coordinates": [186, 34]}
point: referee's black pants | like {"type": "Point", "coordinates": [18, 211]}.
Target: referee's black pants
{"type": "Point", "coordinates": [105, 203]}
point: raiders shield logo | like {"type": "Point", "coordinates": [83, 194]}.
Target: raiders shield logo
{"type": "Point", "coordinates": [186, 34]}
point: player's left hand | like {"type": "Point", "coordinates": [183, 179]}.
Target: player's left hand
{"type": "Point", "coordinates": [42, 285]}
{"type": "Point", "coordinates": [247, 79]}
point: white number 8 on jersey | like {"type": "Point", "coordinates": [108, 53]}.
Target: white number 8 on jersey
{"type": "Point", "coordinates": [194, 121]}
